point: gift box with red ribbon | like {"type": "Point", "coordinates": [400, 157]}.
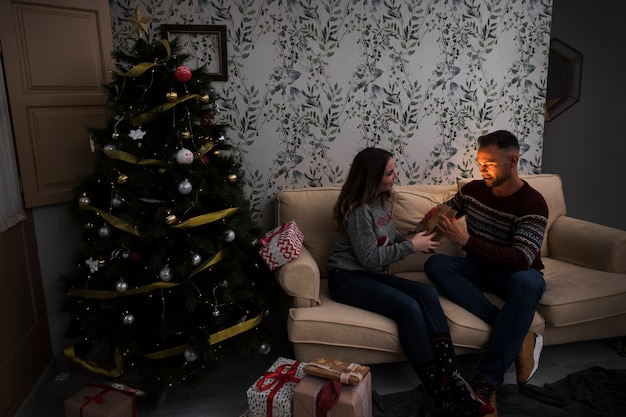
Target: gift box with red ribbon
{"type": "Point", "coordinates": [281, 245]}
{"type": "Point", "coordinates": [96, 400]}
{"type": "Point", "coordinates": [321, 397]}
{"type": "Point", "coordinates": [272, 394]}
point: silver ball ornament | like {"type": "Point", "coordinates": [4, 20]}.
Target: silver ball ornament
{"type": "Point", "coordinates": [128, 319]}
{"type": "Point", "coordinates": [265, 348]}
{"type": "Point", "coordinates": [165, 274]}
{"type": "Point", "coordinates": [196, 259]}
{"type": "Point", "coordinates": [109, 147]}
{"type": "Point", "coordinates": [121, 286]}
{"type": "Point", "coordinates": [184, 187]}
{"type": "Point", "coordinates": [117, 202]}
{"type": "Point", "coordinates": [84, 201]}
{"type": "Point", "coordinates": [190, 355]}
{"type": "Point", "coordinates": [228, 236]}
{"type": "Point", "coordinates": [104, 231]}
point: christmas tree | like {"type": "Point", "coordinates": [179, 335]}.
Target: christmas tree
{"type": "Point", "coordinates": [168, 273]}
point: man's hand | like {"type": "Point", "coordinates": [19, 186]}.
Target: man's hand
{"type": "Point", "coordinates": [452, 230]}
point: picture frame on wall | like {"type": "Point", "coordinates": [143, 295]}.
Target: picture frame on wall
{"type": "Point", "coordinates": [205, 44]}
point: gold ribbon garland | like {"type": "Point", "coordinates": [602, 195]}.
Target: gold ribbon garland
{"type": "Point", "coordinates": [145, 117]}
{"type": "Point", "coordinates": [107, 295]}
{"type": "Point", "coordinates": [114, 221]}
{"type": "Point", "coordinates": [206, 218]}
{"type": "Point", "coordinates": [139, 69]}
{"type": "Point", "coordinates": [69, 353]}
{"type": "Point", "coordinates": [132, 159]}
{"type": "Point", "coordinates": [214, 338]}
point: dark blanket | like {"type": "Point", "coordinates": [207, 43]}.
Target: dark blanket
{"type": "Point", "coordinates": [594, 392]}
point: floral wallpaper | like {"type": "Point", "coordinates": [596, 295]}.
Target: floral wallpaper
{"type": "Point", "coordinates": [311, 82]}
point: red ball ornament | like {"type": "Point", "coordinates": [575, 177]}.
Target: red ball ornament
{"type": "Point", "coordinates": [182, 74]}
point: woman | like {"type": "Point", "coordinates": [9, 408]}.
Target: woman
{"type": "Point", "coordinates": [366, 243]}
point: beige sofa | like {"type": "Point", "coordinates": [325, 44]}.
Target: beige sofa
{"type": "Point", "coordinates": [585, 273]}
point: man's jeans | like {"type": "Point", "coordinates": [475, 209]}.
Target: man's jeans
{"type": "Point", "coordinates": [463, 281]}
{"type": "Point", "coordinates": [414, 306]}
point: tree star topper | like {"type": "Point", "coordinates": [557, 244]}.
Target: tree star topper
{"type": "Point", "coordinates": [138, 22]}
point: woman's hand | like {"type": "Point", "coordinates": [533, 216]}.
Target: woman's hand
{"type": "Point", "coordinates": [424, 243]}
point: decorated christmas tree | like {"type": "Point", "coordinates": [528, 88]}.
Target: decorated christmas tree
{"type": "Point", "coordinates": [168, 274]}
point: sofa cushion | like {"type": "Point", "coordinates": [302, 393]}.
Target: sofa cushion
{"type": "Point", "coordinates": [571, 297]}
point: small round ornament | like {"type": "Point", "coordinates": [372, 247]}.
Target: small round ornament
{"type": "Point", "coordinates": [122, 179]}
{"type": "Point", "coordinates": [182, 74]}
{"type": "Point", "coordinates": [165, 274]}
{"type": "Point", "coordinates": [128, 319]}
{"type": "Point", "coordinates": [104, 231]}
{"type": "Point", "coordinates": [205, 98]}
{"type": "Point", "coordinates": [171, 96]}
{"type": "Point", "coordinates": [228, 236]}
{"type": "Point", "coordinates": [233, 178]}
{"type": "Point", "coordinates": [265, 348]}
{"type": "Point", "coordinates": [184, 187]}
{"type": "Point", "coordinates": [186, 134]}
{"type": "Point", "coordinates": [83, 200]}
{"type": "Point", "coordinates": [171, 218]}
{"type": "Point", "coordinates": [190, 355]}
{"type": "Point", "coordinates": [196, 259]}
{"type": "Point", "coordinates": [121, 286]}
{"type": "Point", "coordinates": [117, 202]}
{"type": "Point", "coordinates": [184, 156]}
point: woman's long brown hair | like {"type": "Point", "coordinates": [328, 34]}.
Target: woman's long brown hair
{"type": "Point", "coordinates": [361, 186]}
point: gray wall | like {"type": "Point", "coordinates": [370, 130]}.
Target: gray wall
{"type": "Point", "coordinates": [586, 145]}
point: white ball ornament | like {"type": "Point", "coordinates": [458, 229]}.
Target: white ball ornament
{"type": "Point", "coordinates": [184, 187]}
{"type": "Point", "coordinates": [184, 156]}
{"type": "Point", "coordinates": [196, 259]}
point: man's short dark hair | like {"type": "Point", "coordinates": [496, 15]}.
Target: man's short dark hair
{"type": "Point", "coordinates": [503, 139]}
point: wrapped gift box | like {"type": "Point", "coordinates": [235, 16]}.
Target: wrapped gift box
{"type": "Point", "coordinates": [344, 372]}
{"type": "Point", "coordinates": [272, 394]}
{"type": "Point", "coordinates": [97, 400]}
{"type": "Point", "coordinates": [354, 400]}
{"type": "Point", "coordinates": [430, 220]}
{"type": "Point", "coordinates": [281, 245]}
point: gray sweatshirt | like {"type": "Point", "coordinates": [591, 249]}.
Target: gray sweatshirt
{"type": "Point", "coordinates": [369, 240]}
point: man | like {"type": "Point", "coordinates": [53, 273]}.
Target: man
{"type": "Point", "coordinates": [506, 219]}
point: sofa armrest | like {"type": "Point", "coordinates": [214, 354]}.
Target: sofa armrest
{"type": "Point", "coordinates": [300, 278]}
{"type": "Point", "coordinates": [588, 244]}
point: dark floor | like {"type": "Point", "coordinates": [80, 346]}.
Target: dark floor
{"type": "Point", "coordinates": [223, 393]}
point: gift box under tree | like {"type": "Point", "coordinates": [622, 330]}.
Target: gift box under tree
{"type": "Point", "coordinates": [96, 400]}
{"type": "Point", "coordinates": [320, 397]}
{"type": "Point", "coordinates": [272, 394]}
{"type": "Point", "coordinates": [281, 245]}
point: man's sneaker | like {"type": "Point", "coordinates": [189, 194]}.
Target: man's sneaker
{"type": "Point", "coordinates": [487, 393]}
{"type": "Point", "coordinates": [527, 361]}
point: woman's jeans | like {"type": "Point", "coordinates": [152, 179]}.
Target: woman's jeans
{"type": "Point", "coordinates": [463, 281]}
{"type": "Point", "coordinates": [414, 306]}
